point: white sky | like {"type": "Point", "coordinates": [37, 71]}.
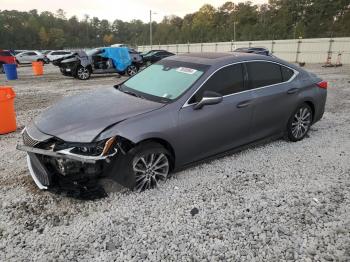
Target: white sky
{"type": "Point", "coordinates": [113, 9]}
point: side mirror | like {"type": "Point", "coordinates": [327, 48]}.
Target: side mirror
{"type": "Point", "coordinates": [209, 98]}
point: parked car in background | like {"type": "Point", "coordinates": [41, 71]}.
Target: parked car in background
{"type": "Point", "coordinates": [6, 57]}
{"type": "Point", "coordinates": [54, 55]}
{"type": "Point", "coordinates": [16, 52]}
{"type": "Point", "coordinates": [45, 52]}
{"type": "Point", "coordinates": [119, 45]}
{"type": "Point", "coordinates": [178, 111]}
{"type": "Point", "coordinates": [28, 57]}
{"type": "Point", "coordinates": [102, 60]}
{"type": "Point", "coordinates": [155, 56]}
{"type": "Point", "coordinates": [253, 50]}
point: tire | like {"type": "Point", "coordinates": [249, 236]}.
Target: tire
{"type": "Point", "coordinates": [2, 70]}
{"type": "Point", "coordinates": [83, 73]}
{"type": "Point", "coordinates": [299, 123]}
{"type": "Point", "coordinates": [150, 163]}
{"type": "Point", "coordinates": [65, 73]}
{"type": "Point", "coordinates": [122, 73]}
{"type": "Point", "coordinates": [132, 70]}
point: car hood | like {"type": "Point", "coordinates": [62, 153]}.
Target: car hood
{"type": "Point", "coordinates": [83, 117]}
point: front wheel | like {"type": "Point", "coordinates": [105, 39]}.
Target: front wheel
{"type": "Point", "coordinates": [149, 163]}
{"type": "Point", "coordinates": [299, 123]}
{"type": "Point", "coordinates": [83, 73]}
{"type": "Point", "coordinates": [131, 70]}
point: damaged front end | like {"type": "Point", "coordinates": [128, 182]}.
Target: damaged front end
{"type": "Point", "coordinates": [71, 168]}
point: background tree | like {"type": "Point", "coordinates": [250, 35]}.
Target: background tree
{"type": "Point", "coordinates": [279, 19]}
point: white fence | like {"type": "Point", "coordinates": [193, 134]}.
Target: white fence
{"type": "Point", "coordinates": [295, 50]}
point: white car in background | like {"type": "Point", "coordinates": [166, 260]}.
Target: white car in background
{"type": "Point", "coordinates": [28, 57]}
{"type": "Point", "coordinates": [53, 55]}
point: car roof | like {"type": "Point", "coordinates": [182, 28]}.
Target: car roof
{"type": "Point", "coordinates": [212, 58]}
{"type": "Point", "coordinates": [217, 59]}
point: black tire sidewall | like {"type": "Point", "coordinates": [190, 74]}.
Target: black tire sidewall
{"type": "Point", "coordinates": [290, 135]}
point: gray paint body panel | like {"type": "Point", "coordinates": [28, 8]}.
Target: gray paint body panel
{"type": "Point", "coordinates": [193, 134]}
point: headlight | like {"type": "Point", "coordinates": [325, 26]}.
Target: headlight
{"type": "Point", "coordinates": [101, 148]}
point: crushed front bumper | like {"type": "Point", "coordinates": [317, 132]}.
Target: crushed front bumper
{"type": "Point", "coordinates": [74, 175]}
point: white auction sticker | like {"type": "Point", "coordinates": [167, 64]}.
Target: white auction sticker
{"type": "Point", "coordinates": [186, 70]}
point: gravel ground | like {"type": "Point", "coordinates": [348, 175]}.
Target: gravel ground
{"type": "Point", "coordinates": [278, 201]}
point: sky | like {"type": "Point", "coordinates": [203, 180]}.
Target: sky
{"type": "Point", "coordinates": [126, 10]}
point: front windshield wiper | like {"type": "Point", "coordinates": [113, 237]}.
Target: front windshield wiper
{"type": "Point", "coordinates": [119, 87]}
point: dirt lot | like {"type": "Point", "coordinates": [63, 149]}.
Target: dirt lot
{"type": "Point", "coordinates": [282, 200]}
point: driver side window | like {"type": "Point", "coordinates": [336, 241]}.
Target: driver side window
{"type": "Point", "coordinates": [226, 81]}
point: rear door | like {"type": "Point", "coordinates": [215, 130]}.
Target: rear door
{"type": "Point", "coordinates": [275, 97]}
{"type": "Point", "coordinates": [216, 128]}
{"type": "Point", "coordinates": [28, 57]}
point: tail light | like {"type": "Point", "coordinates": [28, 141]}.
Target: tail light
{"type": "Point", "coordinates": [322, 84]}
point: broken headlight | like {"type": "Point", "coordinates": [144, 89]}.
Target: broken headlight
{"type": "Point", "coordinates": [101, 148]}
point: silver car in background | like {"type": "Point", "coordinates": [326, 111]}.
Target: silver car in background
{"type": "Point", "coordinates": [28, 57]}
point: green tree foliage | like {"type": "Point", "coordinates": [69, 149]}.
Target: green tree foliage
{"type": "Point", "coordinates": [279, 19]}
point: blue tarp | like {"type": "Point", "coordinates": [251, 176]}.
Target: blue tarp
{"type": "Point", "coordinates": [119, 55]}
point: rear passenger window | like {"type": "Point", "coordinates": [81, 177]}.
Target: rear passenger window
{"type": "Point", "coordinates": [263, 74]}
{"type": "Point", "coordinates": [226, 81]}
{"type": "Point", "coordinates": [286, 73]}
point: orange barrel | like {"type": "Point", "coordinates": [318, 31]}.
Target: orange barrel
{"type": "Point", "coordinates": [7, 110]}
{"type": "Point", "coordinates": [38, 68]}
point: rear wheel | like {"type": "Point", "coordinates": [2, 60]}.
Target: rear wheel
{"type": "Point", "coordinates": [131, 70]}
{"type": "Point", "coordinates": [299, 123]}
{"type": "Point", "coordinates": [83, 73]}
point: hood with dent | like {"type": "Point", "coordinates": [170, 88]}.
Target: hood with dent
{"type": "Point", "coordinates": [82, 117]}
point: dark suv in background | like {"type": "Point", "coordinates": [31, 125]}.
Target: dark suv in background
{"type": "Point", "coordinates": [155, 56]}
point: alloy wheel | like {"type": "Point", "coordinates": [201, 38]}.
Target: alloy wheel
{"type": "Point", "coordinates": [150, 170]}
{"type": "Point", "coordinates": [83, 73]}
{"type": "Point", "coordinates": [301, 122]}
{"type": "Point", "coordinates": [132, 70]}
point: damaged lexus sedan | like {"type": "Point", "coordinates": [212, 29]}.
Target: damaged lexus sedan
{"type": "Point", "coordinates": [178, 111]}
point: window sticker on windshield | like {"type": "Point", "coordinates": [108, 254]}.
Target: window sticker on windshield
{"type": "Point", "coordinates": [186, 70]}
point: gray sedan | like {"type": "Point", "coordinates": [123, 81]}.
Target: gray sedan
{"type": "Point", "coordinates": [176, 112]}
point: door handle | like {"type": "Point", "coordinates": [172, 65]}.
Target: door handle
{"type": "Point", "coordinates": [293, 91]}
{"type": "Point", "coordinates": [244, 104]}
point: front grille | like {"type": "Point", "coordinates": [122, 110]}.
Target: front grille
{"type": "Point", "coordinates": [28, 140]}
{"type": "Point", "coordinates": [39, 170]}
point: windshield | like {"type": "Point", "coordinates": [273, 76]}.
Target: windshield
{"type": "Point", "coordinates": [164, 81]}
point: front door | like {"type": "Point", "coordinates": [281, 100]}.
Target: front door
{"type": "Point", "coordinates": [216, 128]}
